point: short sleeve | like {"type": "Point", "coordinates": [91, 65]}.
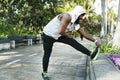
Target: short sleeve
{"type": "Point", "coordinates": [77, 26]}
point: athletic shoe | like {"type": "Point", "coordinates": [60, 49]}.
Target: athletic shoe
{"type": "Point", "coordinates": [95, 53]}
{"type": "Point", "coordinates": [45, 76]}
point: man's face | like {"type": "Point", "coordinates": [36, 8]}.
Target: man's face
{"type": "Point", "coordinates": [81, 17]}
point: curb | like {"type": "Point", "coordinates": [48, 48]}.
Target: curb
{"type": "Point", "coordinates": [90, 73]}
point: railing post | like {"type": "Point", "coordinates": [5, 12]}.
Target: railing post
{"type": "Point", "coordinates": [29, 42]}
{"type": "Point", "coordinates": [12, 44]}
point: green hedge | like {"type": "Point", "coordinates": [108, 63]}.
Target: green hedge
{"type": "Point", "coordinates": [7, 29]}
{"type": "Point", "coordinates": [108, 48]}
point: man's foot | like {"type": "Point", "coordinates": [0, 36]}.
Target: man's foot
{"type": "Point", "coordinates": [45, 76]}
{"type": "Point", "coordinates": [95, 53]}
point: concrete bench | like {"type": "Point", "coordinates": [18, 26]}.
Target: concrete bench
{"type": "Point", "coordinates": [22, 39]}
{"type": "Point", "coordinates": [30, 39]}
{"type": "Point", "coordinates": [16, 40]}
{"type": "Point", "coordinates": [4, 44]}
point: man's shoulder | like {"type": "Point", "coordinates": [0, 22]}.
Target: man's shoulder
{"type": "Point", "coordinates": [65, 16]}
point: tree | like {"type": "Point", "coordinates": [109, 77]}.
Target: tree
{"type": "Point", "coordinates": [103, 18]}
{"type": "Point", "coordinates": [111, 21]}
{"type": "Point", "coordinates": [29, 14]}
{"type": "Point", "coordinates": [116, 39]}
{"type": "Point", "coordinates": [5, 29]}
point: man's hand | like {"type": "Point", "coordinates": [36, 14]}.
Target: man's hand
{"type": "Point", "coordinates": [97, 44]}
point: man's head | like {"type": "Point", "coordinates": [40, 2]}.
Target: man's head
{"type": "Point", "coordinates": [79, 13]}
{"type": "Point", "coordinates": [80, 17]}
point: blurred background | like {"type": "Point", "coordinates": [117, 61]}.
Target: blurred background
{"type": "Point", "coordinates": [28, 17]}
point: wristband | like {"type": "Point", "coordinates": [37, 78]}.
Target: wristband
{"type": "Point", "coordinates": [95, 41]}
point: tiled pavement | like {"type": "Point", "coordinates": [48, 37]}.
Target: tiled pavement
{"type": "Point", "coordinates": [66, 63]}
{"type": "Point", "coordinates": [25, 63]}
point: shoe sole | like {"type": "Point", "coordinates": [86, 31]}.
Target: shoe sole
{"type": "Point", "coordinates": [96, 56]}
{"type": "Point", "coordinates": [44, 77]}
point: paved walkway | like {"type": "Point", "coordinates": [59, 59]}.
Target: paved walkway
{"type": "Point", "coordinates": [105, 70]}
{"type": "Point", "coordinates": [66, 63]}
{"type": "Point", "coordinates": [24, 63]}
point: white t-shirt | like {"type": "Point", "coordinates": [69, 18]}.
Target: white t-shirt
{"type": "Point", "coordinates": [51, 29]}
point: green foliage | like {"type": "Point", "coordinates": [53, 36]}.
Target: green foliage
{"type": "Point", "coordinates": [8, 30]}
{"type": "Point", "coordinates": [74, 34]}
{"type": "Point", "coordinates": [5, 29]}
{"type": "Point", "coordinates": [33, 13]}
{"type": "Point", "coordinates": [92, 24]}
{"type": "Point", "coordinates": [22, 31]}
{"type": "Point", "coordinates": [108, 48]}
{"type": "Point", "coordinates": [28, 17]}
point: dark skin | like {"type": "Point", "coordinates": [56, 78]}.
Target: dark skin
{"type": "Point", "coordinates": [65, 19]}
{"type": "Point", "coordinates": [80, 18]}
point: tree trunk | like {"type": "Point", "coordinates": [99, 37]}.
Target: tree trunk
{"type": "Point", "coordinates": [103, 18]}
{"type": "Point", "coordinates": [112, 27]}
{"type": "Point", "coordinates": [116, 39]}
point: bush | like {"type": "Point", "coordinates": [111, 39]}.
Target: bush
{"type": "Point", "coordinates": [108, 48]}
{"type": "Point", "coordinates": [7, 29]}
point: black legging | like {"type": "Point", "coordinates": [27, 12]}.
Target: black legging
{"type": "Point", "coordinates": [48, 44]}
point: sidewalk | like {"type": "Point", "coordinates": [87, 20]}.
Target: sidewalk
{"type": "Point", "coordinates": [66, 63]}
{"type": "Point", "coordinates": [105, 70]}
{"type": "Point", "coordinates": [25, 63]}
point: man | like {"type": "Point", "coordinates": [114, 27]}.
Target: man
{"type": "Point", "coordinates": [56, 31]}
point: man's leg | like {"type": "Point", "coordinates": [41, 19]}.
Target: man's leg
{"type": "Point", "coordinates": [47, 46]}
{"type": "Point", "coordinates": [74, 44]}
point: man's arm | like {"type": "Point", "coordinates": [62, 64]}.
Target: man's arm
{"type": "Point", "coordinates": [88, 36]}
{"type": "Point", "coordinates": [64, 21]}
